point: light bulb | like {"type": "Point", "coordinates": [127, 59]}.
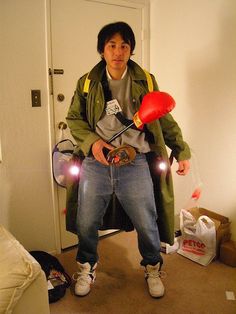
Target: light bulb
{"type": "Point", "coordinates": [162, 165]}
{"type": "Point", "coordinates": [74, 170]}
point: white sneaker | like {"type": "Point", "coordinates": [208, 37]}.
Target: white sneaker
{"type": "Point", "coordinates": [155, 285]}
{"type": "Point", "coordinates": [85, 277]}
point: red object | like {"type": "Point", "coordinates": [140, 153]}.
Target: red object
{"type": "Point", "coordinates": [154, 106]}
{"type": "Point", "coordinates": [64, 211]}
{"type": "Point", "coordinates": [116, 159]}
{"type": "Point", "coordinates": [196, 193]}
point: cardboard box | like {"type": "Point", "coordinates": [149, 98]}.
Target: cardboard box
{"type": "Point", "coordinates": [222, 225]}
{"type": "Point", "coordinates": [228, 253]}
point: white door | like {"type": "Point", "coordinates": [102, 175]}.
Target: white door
{"type": "Point", "coordinates": [74, 28]}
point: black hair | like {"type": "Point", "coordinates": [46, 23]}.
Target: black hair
{"type": "Point", "coordinates": [109, 30]}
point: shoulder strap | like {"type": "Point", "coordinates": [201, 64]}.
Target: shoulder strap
{"type": "Point", "coordinates": [86, 84]}
{"type": "Point", "coordinates": [149, 80]}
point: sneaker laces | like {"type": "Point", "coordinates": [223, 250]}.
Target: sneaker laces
{"type": "Point", "coordinates": [83, 278]}
{"type": "Point", "coordinates": [156, 274]}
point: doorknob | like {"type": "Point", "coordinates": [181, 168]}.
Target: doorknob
{"type": "Point", "coordinates": [62, 125]}
{"type": "Point", "coordinates": [60, 97]}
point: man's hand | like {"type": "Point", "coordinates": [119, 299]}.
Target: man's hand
{"type": "Point", "coordinates": [184, 166]}
{"type": "Point", "coordinates": [97, 150]}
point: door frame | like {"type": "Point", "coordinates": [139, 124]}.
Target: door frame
{"type": "Point", "coordinates": [144, 5]}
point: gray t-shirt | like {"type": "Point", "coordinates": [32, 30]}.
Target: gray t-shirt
{"type": "Point", "coordinates": [109, 124]}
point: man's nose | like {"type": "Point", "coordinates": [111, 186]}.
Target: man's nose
{"type": "Point", "coordinates": [118, 51]}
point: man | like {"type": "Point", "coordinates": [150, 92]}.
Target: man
{"type": "Point", "coordinates": [118, 85]}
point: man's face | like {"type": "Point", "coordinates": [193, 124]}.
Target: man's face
{"type": "Point", "coordinates": [116, 53]}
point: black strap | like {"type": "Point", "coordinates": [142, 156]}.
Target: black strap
{"type": "Point", "coordinates": [108, 97]}
{"type": "Point", "coordinates": [124, 120]}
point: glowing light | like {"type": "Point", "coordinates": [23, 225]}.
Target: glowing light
{"type": "Point", "coordinates": [162, 165]}
{"type": "Point", "coordinates": [74, 170]}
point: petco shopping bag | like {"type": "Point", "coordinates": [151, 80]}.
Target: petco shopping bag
{"type": "Point", "coordinates": [198, 240]}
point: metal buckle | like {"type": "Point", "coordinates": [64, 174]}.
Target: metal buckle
{"type": "Point", "coordinates": [121, 155]}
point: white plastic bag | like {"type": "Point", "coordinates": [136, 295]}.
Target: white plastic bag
{"type": "Point", "coordinates": [198, 240]}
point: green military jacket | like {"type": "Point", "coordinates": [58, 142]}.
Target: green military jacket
{"type": "Point", "coordinates": [83, 115]}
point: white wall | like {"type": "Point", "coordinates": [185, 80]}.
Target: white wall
{"type": "Point", "coordinates": [26, 197]}
{"type": "Point", "coordinates": [193, 49]}
{"type": "Point", "coordinates": [193, 55]}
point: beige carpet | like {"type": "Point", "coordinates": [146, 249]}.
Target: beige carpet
{"type": "Point", "coordinates": [120, 287]}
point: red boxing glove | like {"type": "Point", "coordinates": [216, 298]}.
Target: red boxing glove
{"type": "Point", "coordinates": [154, 106]}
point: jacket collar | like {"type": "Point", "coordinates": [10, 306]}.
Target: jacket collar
{"type": "Point", "coordinates": [135, 71]}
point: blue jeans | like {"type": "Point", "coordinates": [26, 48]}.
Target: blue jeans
{"type": "Point", "coordinates": [133, 186]}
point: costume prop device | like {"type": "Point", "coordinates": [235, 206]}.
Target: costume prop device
{"type": "Point", "coordinates": [154, 106]}
{"type": "Point", "coordinates": [66, 165]}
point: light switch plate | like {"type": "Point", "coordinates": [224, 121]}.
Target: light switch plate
{"type": "Point", "coordinates": [36, 97]}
